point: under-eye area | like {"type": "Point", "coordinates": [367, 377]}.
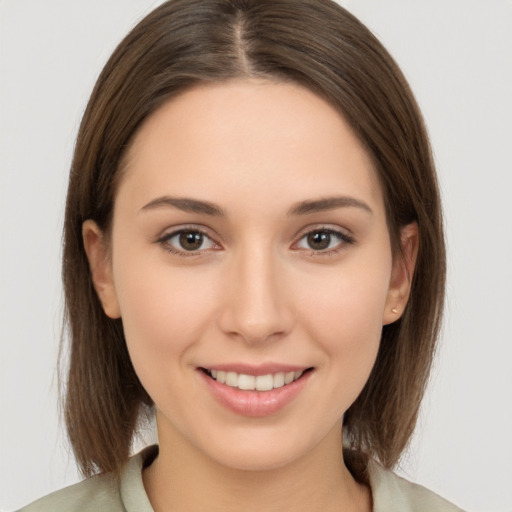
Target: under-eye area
{"type": "Point", "coordinates": [255, 382]}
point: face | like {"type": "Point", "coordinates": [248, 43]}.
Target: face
{"type": "Point", "coordinates": [251, 265]}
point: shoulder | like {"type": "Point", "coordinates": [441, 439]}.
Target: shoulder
{"type": "Point", "coordinates": [124, 493]}
{"type": "Point", "coordinates": [392, 493]}
{"type": "Point", "coordinates": [95, 493]}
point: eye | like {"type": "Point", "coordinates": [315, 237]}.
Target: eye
{"type": "Point", "coordinates": [323, 240]}
{"type": "Point", "coordinates": [187, 241]}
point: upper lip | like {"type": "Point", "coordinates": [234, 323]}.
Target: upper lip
{"type": "Point", "coordinates": [256, 370]}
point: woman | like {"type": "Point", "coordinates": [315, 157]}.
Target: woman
{"type": "Point", "coordinates": [253, 249]}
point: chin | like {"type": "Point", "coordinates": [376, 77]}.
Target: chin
{"type": "Point", "coordinates": [264, 460]}
{"type": "Point", "coordinates": [252, 451]}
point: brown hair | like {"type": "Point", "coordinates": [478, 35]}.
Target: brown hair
{"type": "Point", "coordinates": [315, 43]}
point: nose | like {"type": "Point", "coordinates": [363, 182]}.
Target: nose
{"type": "Point", "coordinates": [257, 303]}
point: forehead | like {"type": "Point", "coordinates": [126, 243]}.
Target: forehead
{"type": "Point", "coordinates": [252, 138]}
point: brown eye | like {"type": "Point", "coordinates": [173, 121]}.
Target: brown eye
{"type": "Point", "coordinates": [191, 240]}
{"type": "Point", "coordinates": [187, 241]}
{"type": "Point", "coordinates": [319, 240]}
{"type": "Point", "coordinates": [324, 240]}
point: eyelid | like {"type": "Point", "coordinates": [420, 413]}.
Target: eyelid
{"type": "Point", "coordinates": [343, 234]}
{"type": "Point", "coordinates": [170, 233]}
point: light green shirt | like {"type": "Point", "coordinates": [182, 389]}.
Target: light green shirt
{"type": "Point", "coordinates": [390, 492]}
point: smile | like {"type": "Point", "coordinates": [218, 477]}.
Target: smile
{"type": "Point", "coordinates": [252, 382]}
{"type": "Point", "coordinates": [247, 394]}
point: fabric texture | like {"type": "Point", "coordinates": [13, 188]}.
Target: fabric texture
{"type": "Point", "coordinates": [390, 492]}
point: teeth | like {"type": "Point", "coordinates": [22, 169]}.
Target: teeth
{"type": "Point", "coordinates": [288, 377]}
{"type": "Point", "coordinates": [279, 380]}
{"type": "Point", "coordinates": [252, 383]}
{"type": "Point", "coordinates": [264, 382]}
{"type": "Point", "coordinates": [246, 381]}
{"type": "Point", "coordinates": [232, 379]}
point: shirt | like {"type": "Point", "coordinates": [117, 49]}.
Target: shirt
{"type": "Point", "coordinates": [126, 493]}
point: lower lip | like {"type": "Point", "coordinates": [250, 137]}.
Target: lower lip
{"type": "Point", "coordinates": [255, 403]}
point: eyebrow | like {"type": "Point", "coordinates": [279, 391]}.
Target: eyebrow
{"type": "Point", "coordinates": [328, 203]}
{"type": "Point", "coordinates": [190, 205]}
{"type": "Point", "coordinates": [185, 204]}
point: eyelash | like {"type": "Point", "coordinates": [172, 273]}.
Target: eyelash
{"type": "Point", "coordinates": [343, 240]}
{"type": "Point", "coordinates": [164, 241]}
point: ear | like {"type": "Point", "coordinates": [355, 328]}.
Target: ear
{"type": "Point", "coordinates": [401, 274]}
{"type": "Point", "coordinates": [101, 268]}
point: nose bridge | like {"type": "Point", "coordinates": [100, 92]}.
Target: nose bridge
{"type": "Point", "coordinates": [257, 306]}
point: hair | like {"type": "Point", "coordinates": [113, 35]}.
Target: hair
{"type": "Point", "coordinates": [318, 45]}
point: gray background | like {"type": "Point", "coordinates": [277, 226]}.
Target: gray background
{"type": "Point", "coordinates": [457, 55]}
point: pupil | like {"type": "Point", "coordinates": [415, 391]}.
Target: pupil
{"type": "Point", "coordinates": [319, 240]}
{"type": "Point", "coordinates": [191, 241]}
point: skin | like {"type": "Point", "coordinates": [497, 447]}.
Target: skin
{"type": "Point", "coordinates": [256, 290]}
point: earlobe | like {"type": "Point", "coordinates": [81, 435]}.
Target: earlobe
{"type": "Point", "coordinates": [402, 273]}
{"type": "Point", "coordinates": [101, 269]}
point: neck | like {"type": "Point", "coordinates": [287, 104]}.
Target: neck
{"type": "Point", "coordinates": [183, 478]}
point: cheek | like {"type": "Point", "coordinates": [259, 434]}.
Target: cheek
{"type": "Point", "coordinates": [348, 303]}
{"type": "Point", "coordinates": [344, 316]}
{"type": "Point", "coordinates": [163, 310]}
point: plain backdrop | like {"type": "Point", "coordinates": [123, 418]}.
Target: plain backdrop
{"type": "Point", "coordinates": [457, 55]}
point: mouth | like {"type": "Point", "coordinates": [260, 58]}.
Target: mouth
{"type": "Point", "coordinates": [247, 382]}
{"type": "Point", "coordinates": [256, 391]}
